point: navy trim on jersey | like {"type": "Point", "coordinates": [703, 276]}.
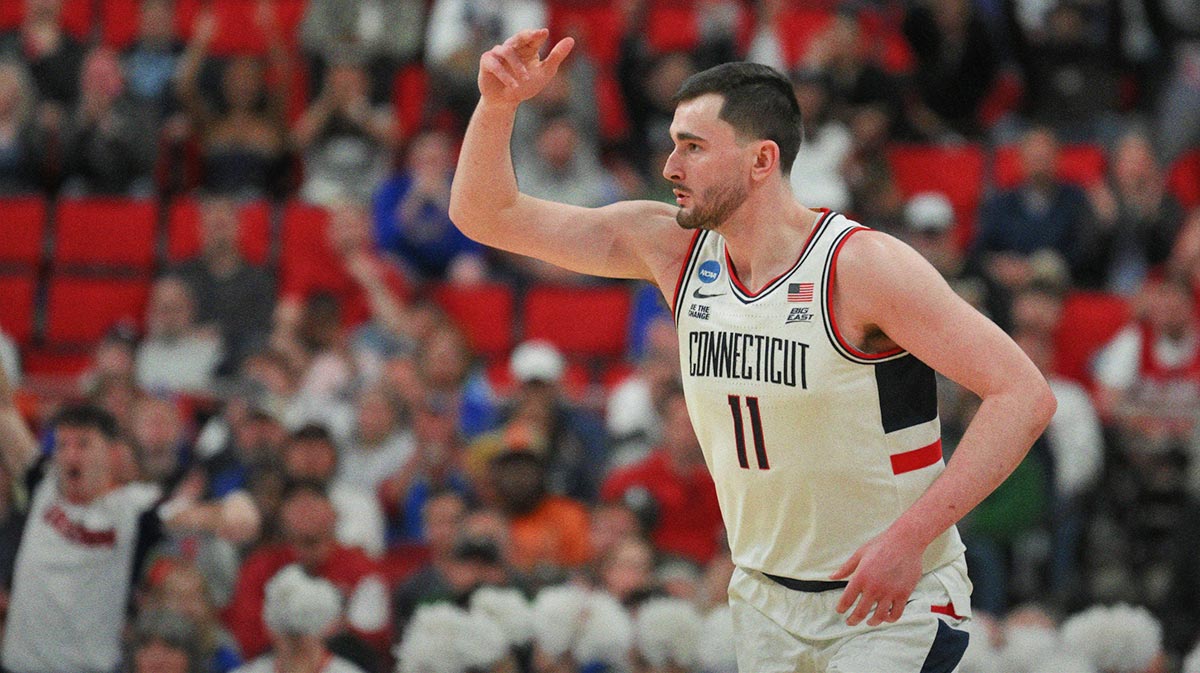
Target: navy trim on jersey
{"type": "Point", "coordinates": [684, 271]}
{"type": "Point", "coordinates": [689, 264]}
{"type": "Point", "coordinates": [840, 345]}
{"type": "Point", "coordinates": [745, 296]}
{"type": "Point", "coordinates": [949, 645]}
{"type": "Point", "coordinates": [907, 393]}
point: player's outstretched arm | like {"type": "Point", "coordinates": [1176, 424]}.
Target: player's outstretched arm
{"type": "Point", "coordinates": [883, 283]}
{"type": "Point", "coordinates": [17, 444]}
{"type": "Point", "coordinates": [633, 239]}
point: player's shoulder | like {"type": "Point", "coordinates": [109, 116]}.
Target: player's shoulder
{"type": "Point", "coordinates": [868, 254]}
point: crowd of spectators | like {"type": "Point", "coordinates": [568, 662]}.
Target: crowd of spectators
{"type": "Point", "coordinates": [314, 471]}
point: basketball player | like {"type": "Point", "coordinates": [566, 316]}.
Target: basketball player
{"type": "Point", "coordinates": [808, 345]}
{"type": "Point", "coordinates": [84, 538]}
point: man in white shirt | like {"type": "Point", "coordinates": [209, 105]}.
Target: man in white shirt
{"type": "Point", "coordinates": [84, 540]}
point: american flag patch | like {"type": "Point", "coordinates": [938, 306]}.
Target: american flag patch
{"type": "Point", "coordinates": [800, 291]}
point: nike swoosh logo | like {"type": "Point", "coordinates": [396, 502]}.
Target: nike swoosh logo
{"type": "Point", "coordinates": [697, 294]}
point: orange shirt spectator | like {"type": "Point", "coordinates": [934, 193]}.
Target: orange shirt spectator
{"type": "Point", "coordinates": [554, 533]}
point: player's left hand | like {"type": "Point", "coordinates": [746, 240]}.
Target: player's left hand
{"type": "Point", "coordinates": [883, 573]}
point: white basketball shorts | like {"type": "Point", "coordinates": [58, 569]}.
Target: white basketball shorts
{"type": "Point", "coordinates": [781, 630]}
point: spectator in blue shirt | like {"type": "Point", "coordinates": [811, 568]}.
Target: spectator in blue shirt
{"type": "Point", "coordinates": [412, 219]}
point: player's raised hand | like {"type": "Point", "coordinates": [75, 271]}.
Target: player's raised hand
{"type": "Point", "coordinates": [514, 72]}
{"type": "Point", "coordinates": [883, 573]}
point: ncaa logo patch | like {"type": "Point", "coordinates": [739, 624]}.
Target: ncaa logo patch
{"type": "Point", "coordinates": [709, 271]}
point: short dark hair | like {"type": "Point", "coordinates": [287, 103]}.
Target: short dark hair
{"type": "Point", "coordinates": [759, 103]}
{"type": "Point", "coordinates": [83, 415]}
{"type": "Point", "coordinates": [311, 432]}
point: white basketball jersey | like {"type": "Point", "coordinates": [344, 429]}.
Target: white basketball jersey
{"type": "Point", "coordinates": [815, 446]}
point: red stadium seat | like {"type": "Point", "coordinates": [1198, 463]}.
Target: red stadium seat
{"type": "Point", "coordinates": [610, 106]}
{"type": "Point", "coordinates": [409, 90]}
{"type": "Point", "coordinates": [55, 362]}
{"type": "Point", "coordinates": [1004, 97]}
{"type": "Point", "coordinates": [796, 29]}
{"type": "Point", "coordinates": [483, 312]}
{"type": "Point", "coordinates": [1183, 179]}
{"type": "Point", "coordinates": [1089, 320]}
{"type": "Point", "coordinates": [672, 28]}
{"type": "Point", "coordinates": [596, 28]}
{"type": "Point", "coordinates": [306, 254]}
{"type": "Point", "coordinates": [23, 220]}
{"type": "Point", "coordinates": [16, 307]}
{"type": "Point", "coordinates": [81, 310]}
{"type": "Point", "coordinates": [956, 171]}
{"type": "Point", "coordinates": [580, 321]}
{"type": "Point", "coordinates": [238, 30]}
{"type": "Point", "coordinates": [119, 22]}
{"type": "Point", "coordinates": [106, 232]}
{"type": "Point", "coordinates": [76, 16]}
{"type": "Point", "coordinates": [183, 231]}
{"type": "Point", "coordinates": [1082, 165]}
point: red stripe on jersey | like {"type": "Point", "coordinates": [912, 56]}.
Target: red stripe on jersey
{"type": "Point", "coordinates": [832, 314]}
{"type": "Point", "coordinates": [947, 609]}
{"type": "Point", "coordinates": [917, 458]}
{"type": "Point", "coordinates": [682, 270]}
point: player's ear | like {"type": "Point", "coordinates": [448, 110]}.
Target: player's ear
{"type": "Point", "coordinates": [766, 159]}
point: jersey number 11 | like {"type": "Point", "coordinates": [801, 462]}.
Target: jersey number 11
{"type": "Point", "coordinates": [739, 431]}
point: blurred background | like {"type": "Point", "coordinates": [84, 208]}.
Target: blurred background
{"type": "Point", "coordinates": [225, 222]}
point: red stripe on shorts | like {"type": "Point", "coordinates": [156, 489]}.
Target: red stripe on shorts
{"type": "Point", "coordinates": [947, 609]}
{"type": "Point", "coordinates": [917, 458]}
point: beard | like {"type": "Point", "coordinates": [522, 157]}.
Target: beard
{"type": "Point", "coordinates": [719, 204]}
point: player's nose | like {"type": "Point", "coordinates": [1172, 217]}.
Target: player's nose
{"type": "Point", "coordinates": [671, 170]}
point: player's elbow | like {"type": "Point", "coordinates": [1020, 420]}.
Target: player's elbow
{"type": "Point", "coordinates": [1044, 404]}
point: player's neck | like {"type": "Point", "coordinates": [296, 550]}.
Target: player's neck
{"type": "Point", "coordinates": [764, 237]}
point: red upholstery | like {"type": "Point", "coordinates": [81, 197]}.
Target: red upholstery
{"type": "Point", "coordinates": [16, 306]}
{"type": "Point", "coordinates": [183, 231]}
{"type": "Point", "coordinates": [81, 310]}
{"type": "Point", "coordinates": [55, 362]}
{"type": "Point", "coordinates": [76, 15]}
{"type": "Point", "coordinates": [305, 246]}
{"type": "Point", "coordinates": [595, 27]}
{"type": "Point", "coordinates": [238, 30]}
{"type": "Point", "coordinates": [23, 221]}
{"type": "Point", "coordinates": [956, 171]}
{"type": "Point", "coordinates": [1183, 179]}
{"type": "Point", "coordinates": [483, 312]}
{"type": "Point", "coordinates": [580, 321]}
{"type": "Point", "coordinates": [1083, 165]}
{"type": "Point", "coordinates": [119, 22]}
{"type": "Point", "coordinates": [107, 232]}
{"type": "Point", "coordinates": [409, 90]}
{"type": "Point", "coordinates": [1089, 320]}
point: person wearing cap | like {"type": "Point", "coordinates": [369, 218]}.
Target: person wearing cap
{"type": "Point", "coordinates": [575, 452]}
{"type": "Point", "coordinates": [928, 227]}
